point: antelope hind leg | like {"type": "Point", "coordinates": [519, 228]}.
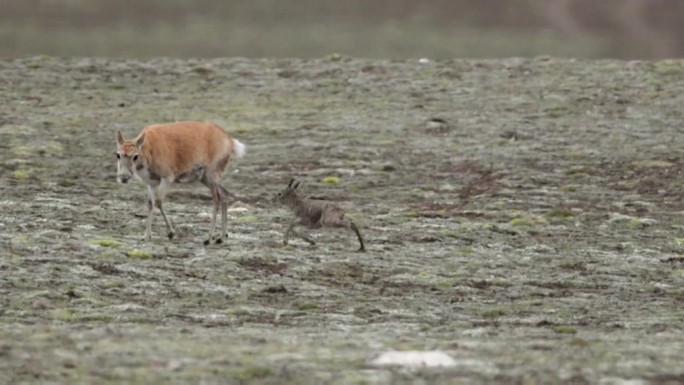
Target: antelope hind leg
{"type": "Point", "coordinates": [223, 197]}
{"type": "Point", "coordinates": [216, 200]}
{"type": "Point", "coordinates": [158, 201]}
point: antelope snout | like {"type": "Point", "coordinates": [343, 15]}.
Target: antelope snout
{"type": "Point", "coordinates": [123, 178]}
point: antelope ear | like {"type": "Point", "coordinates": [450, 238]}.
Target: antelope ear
{"type": "Point", "coordinates": [291, 181]}
{"type": "Point", "coordinates": [119, 138]}
{"type": "Point", "coordinates": [295, 186]}
{"type": "Point", "coordinates": [140, 141]}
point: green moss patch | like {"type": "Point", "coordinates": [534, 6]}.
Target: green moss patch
{"type": "Point", "coordinates": [140, 254]}
{"type": "Point", "coordinates": [106, 243]}
{"type": "Point", "coordinates": [331, 180]}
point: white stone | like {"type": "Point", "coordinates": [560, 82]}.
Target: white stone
{"type": "Point", "coordinates": [414, 359]}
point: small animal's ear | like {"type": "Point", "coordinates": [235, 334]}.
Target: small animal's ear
{"type": "Point", "coordinates": [119, 137]}
{"type": "Point", "coordinates": [140, 141]}
{"type": "Point", "coordinates": [291, 181]}
{"type": "Point", "coordinates": [295, 186]}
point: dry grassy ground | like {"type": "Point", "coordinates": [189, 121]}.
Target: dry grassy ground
{"type": "Point", "coordinates": [525, 216]}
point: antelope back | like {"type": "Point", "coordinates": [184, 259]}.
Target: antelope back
{"type": "Point", "coordinates": [182, 151]}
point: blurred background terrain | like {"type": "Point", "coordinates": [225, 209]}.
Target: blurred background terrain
{"type": "Point", "coordinates": [397, 29]}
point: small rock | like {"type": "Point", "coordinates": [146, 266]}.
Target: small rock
{"type": "Point", "coordinates": [345, 171]}
{"type": "Point", "coordinates": [414, 359]}
{"type": "Point", "coordinates": [176, 364]}
{"type": "Point", "coordinates": [437, 124]}
{"type": "Point", "coordinates": [621, 381]}
{"type": "Point", "coordinates": [239, 207]}
{"type": "Point", "coordinates": [513, 135]}
{"type": "Point", "coordinates": [617, 217]}
{"type": "Point", "coordinates": [477, 332]}
{"type": "Point", "coordinates": [42, 304]}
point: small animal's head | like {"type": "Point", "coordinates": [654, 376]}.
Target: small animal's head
{"type": "Point", "coordinates": [288, 194]}
{"type": "Point", "coordinates": [128, 157]}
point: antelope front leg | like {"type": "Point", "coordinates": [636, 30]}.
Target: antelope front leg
{"type": "Point", "coordinates": [169, 226]}
{"type": "Point", "coordinates": [159, 198]}
{"type": "Point", "coordinates": [150, 213]}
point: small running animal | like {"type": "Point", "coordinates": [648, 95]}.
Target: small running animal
{"type": "Point", "coordinates": [313, 214]}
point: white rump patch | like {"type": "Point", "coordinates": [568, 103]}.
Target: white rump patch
{"type": "Point", "coordinates": [239, 148]}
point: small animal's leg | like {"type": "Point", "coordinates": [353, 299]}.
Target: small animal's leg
{"type": "Point", "coordinates": [290, 229]}
{"type": "Point", "coordinates": [303, 236]}
{"type": "Point", "coordinates": [159, 199]}
{"type": "Point", "coordinates": [352, 225]}
{"type": "Point", "coordinates": [150, 212]}
{"type": "Point", "coordinates": [336, 219]}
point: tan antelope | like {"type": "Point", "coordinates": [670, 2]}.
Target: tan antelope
{"type": "Point", "coordinates": [181, 152]}
{"type": "Point", "coordinates": [313, 214]}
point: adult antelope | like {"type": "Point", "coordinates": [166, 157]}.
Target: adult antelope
{"type": "Point", "coordinates": [181, 152]}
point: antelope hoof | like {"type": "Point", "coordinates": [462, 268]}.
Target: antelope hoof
{"type": "Point", "coordinates": [207, 242]}
{"type": "Point", "coordinates": [361, 250]}
{"type": "Point", "coordinates": [218, 241]}
{"type": "Point", "coordinates": [147, 238]}
{"type": "Point", "coordinates": [170, 234]}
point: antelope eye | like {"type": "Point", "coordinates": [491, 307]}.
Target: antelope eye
{"type": "Point", "coordinates": [118, 156]}
{"type": "Point", "coordinates": [135, 157]}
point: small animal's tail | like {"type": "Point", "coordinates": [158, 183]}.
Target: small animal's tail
{"type": "Point", "coordinates": [239, 149]}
